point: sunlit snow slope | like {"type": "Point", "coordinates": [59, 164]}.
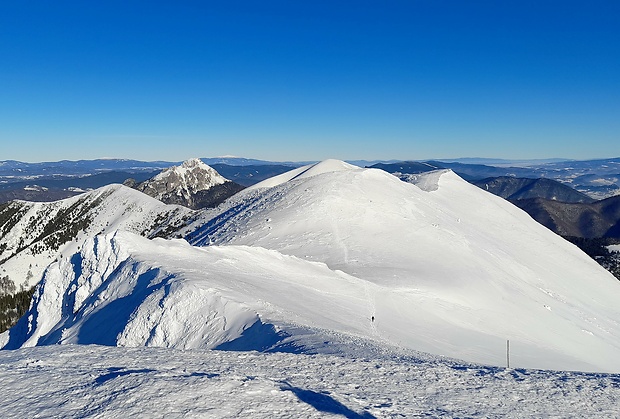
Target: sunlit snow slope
{"type": "Point", "coordinates": [451, 269]}
{"type": "Point", "coordinates": [75, 381]}
{"type": "Point", "coordinates": [442, 266]}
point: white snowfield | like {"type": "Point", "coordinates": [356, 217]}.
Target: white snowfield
{"type": "Point", "coordinates": [79, 381]}
{"type": "Point", "coordinates": [304, 172]}
{"type": "Point", "coordinates": [449, 269]}
{"type": "Point", "coordinates": [309, 262]}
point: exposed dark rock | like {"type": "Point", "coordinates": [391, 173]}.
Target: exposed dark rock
{"type": "Point", "coordinates": [193, 184]}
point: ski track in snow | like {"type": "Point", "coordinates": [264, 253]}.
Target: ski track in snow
{"type": "Point", "coordinates": [110, 382]}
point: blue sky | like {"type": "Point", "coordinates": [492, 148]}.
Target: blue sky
{"type": "Point", "coordinates": [308, 80]}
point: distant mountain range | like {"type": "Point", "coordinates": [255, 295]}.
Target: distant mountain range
{"type": "Point", "coordinates": [45, 189]}
{"type": "Point", "coordinates": [504, 162]}
{"type": "Point", "coordinates": [57, 180]}
{"type": "Point", "coordinates": [11, 169]}
{"type": "Point", "coordinates": [598, 179]}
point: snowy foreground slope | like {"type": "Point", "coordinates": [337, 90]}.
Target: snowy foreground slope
{"type": "Point", "coordinates": [304, 264]}
{"type": "Point", "coordinates": [105, 382]}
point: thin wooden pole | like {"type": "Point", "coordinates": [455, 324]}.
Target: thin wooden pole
{"type": "Point", "coordinates": [508, 353]}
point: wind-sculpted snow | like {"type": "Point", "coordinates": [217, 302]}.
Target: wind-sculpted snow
{"type": "Point", "coordinates": [122, 289]}
{"type": "Point", "coordinates": [428, 181]}
{"type": "Point", "coordinates": [106, 295]}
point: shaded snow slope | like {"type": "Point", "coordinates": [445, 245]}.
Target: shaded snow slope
{"type": "Point", "coordinates": [428, 181]}
{"type": "Point", "coordinates": [454, 270]}
{"type": "Point", "coordinates": [32, 235]}
{"type": "Point", "coordinates": [103, 382]}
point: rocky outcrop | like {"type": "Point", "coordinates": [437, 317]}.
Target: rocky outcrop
{"type": "Point", "coordinates": [193, 184]}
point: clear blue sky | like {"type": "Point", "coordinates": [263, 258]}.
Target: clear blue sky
{"type": "Point", "coordinates": [308, 80]}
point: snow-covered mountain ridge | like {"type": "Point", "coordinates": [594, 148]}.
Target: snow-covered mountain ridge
{"type": "Point", "coordinates": [122, 289]}
{"type": "Point", "coordinates": [472, 262]}
{"type": "Point", "coordinates": [191, 176]}
{"type": "Point", "coordinates": [32, 235]}
{"type": "Point", "coordinates": [441, 266]}
{"type": "Point", "coordinates": [98, 294]}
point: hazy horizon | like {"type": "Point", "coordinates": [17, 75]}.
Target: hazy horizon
{"type": "Point", "coordinates": [464, 159]}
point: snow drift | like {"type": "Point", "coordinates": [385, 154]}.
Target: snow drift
{"type": "Point", "coordinates": [122, 289]}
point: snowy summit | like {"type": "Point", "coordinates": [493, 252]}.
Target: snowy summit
{"type": "Point", "coordinates": [185, 180]}
{"type": "Point", "coordinates": [189, 185]}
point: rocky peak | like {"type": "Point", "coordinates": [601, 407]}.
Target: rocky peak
{"type": "Point", "coordinates": [187, 184]}
{"type": "Point", "coordinates": [192, 175]}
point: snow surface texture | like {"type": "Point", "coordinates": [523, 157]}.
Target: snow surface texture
{"type": "Point", "coordinates": [448, 269]}
{"type": "Point", "coordinates": [123, 289]}
{"type": "Point", "coordinates": [104, 382]}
